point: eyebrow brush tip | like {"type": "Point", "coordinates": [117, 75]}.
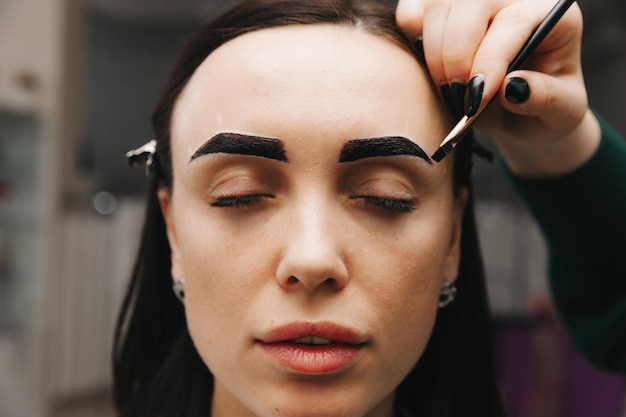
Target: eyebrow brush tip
{"type": "Point", "coordinates": [439, 155]}
{"type": "Point", "coordinates": [454, 136]}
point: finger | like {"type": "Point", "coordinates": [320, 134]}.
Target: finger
{"type": "Point", "coordinates": [558, 103]}
{"type": "Point", "coordinates": [460, 40]}
{"type": "Point", "coordinates": [409, 17]}
{"type": "Point", "coordinates": [508, 32]}
{"type": "Point", "coordinates": [434, 27]}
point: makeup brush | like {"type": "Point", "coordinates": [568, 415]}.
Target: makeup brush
{"type": "Point", "coordinates": [538, 35]}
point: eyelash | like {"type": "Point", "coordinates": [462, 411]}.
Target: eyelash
{"type": "Point", "coordinates": [391, 205]}
{"type": "Point", "coordinates": [239, 200]}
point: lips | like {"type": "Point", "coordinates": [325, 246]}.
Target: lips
{"type": "Point", "coordinates": [312, 348]}
{"type": "Point", "coordinates": [312, 340]}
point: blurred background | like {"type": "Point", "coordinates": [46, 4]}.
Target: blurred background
{"type": "Point", "coordinates": [78, 80]}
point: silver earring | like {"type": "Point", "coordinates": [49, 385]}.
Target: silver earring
{"type": "Point", "coordinates": [447, 294]}
{"type": "Point", "coordinates": [179, 289]}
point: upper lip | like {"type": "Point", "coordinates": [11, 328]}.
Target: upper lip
{"type": "Point", "coordinates": [325, 330]}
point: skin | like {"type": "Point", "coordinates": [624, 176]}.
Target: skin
{"type": "Point", "coordinates": [550, 134]}
{"type": "Point", "coordinates": [311, 247]}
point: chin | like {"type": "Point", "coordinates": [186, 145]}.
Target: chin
{"type": "Point", "coordinates": [306, 397]}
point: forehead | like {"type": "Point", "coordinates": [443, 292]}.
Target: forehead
{"type": "Point", "coordinates": [326, 80]}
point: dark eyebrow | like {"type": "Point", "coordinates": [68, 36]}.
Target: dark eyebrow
{"type": "Point", "coordinates": [241, 144]}
{"type": "Point", "coordinates": [385, 146]}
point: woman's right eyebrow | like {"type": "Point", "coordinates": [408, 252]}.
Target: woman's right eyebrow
{"type": "Point", "coordinates": [243, 144]}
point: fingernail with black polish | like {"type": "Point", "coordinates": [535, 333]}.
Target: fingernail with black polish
{"type": "Point", "coordinates": [446, 94]}
{"type": "Point", "coordinates": [517, 90]}
{"type": "Point", "coordinates": [459, 89]}
{"type": "Point", "coordinates": [475, 97]}
{"type": "Point", "coordinates": [458, 92]}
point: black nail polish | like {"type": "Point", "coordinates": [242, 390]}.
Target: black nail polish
{"type": "Point", "coordinates": [517, 90]}
{"type": "Point", "coordinates": [458, 92]}
{"type": "Point", "coordinates": [459, 89]}
{"type": "Point", "coordinates": [475, 95]}
{"type": "Point", "coordinates": [448, 97]}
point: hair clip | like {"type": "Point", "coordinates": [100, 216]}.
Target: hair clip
{"type": "Point", "coordinates": [144, 154]}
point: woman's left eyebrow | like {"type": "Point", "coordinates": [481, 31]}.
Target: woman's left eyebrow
{"type": "Point", "coordinates": [384, 146]}
{"type": "Point", "coordinates": [242, 144]}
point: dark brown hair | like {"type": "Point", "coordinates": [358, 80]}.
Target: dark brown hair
{"type": "Point", "coordinates": [157, 371]}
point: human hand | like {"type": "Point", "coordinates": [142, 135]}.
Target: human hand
{"type": "Point", "coordinates": [540, 119]}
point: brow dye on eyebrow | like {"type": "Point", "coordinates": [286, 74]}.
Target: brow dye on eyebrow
{"type": "Point", "coordinates": [377, 147]}
{"type": "Point", "coordinates": [242, 144]}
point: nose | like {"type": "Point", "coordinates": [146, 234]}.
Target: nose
{"type": "Point", "coordinates": [312, 255]}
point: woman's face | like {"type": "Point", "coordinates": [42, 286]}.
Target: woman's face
{"type": "Point", "coordinates": [311, 228]}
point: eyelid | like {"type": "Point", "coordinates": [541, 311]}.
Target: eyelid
{"type": "Point", "coordinates": [402, 170]}
{"type": "Point", "coordinates": [389, 188]}
{"type": "Point", "coordinates": [237, 178]}
{"type": "Point", "coordinates": [238, 181]}
{"type": "Point", "coordinates": [246, 189]}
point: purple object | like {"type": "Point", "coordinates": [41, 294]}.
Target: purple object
{"type": "Point", "coordinates": [541, 375]}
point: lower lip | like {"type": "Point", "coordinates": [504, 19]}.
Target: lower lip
{"type": "Point", "coordinates": [307, 359]}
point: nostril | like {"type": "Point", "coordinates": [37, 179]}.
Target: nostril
{"type": "Point", "coordinates": [292, 280]}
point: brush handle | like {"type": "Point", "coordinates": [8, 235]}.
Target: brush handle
{"type": "Point", "coordinates": [540, 33]}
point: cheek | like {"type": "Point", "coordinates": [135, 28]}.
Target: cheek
{"type": "Point", "coordinates": [404, 279]}
{"type": "Point", "coordinates": [229, 270]}
{"type": "Point", "coordinates": [412, 275]}
{"type": "Point", "coordinates": [222, 271]}
{"type": "Point", "coordinates": [221, 268]}
{"type": "Point", "coordinates": [216, 296]}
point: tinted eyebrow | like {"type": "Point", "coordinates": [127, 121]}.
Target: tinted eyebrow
{"type": "Point", "coordinates": [242, 144]}
{"type": "Point", "coordinates": [384, 146]}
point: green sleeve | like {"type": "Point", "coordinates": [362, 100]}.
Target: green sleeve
{"type": "Point", "coordinates": [583, 218]}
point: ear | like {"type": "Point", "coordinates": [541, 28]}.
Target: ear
{"type": "Point", "coordinates": [451, 265]}
{"type": "Point", "coordinates": [165, 201]}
